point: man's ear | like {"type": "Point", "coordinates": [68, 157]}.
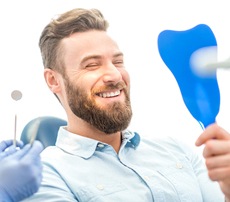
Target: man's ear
{"type": "Point", "coordinates": [52, 79]}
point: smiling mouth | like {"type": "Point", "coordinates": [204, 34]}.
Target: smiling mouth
{"type": "Point", "coordinates": [109, 94]}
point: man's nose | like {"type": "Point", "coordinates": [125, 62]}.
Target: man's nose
{"type": "Point", "coordinates": [111, 74]}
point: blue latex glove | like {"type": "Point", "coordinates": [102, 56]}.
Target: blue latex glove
{"type": "Point", "coordinates": [7, 148]}
{"type": "Point", "coordinates": [20, 171]}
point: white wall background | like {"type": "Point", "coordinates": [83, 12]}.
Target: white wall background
{"type": "Point", "coordinates": [157, 103]}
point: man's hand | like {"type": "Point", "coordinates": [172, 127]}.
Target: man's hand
{"type": "Point", "coordinates": [217, 155]}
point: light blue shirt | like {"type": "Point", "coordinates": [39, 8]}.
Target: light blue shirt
{"type": "Point", "coordinates": [86, 170]}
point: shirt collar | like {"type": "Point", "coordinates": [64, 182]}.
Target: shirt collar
{"type": "Point", "coordinates": [85, 147]}
{"type": "Point", "coordinates": [130, 139]}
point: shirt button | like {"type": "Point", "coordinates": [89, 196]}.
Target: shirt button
{"type": "Point", "coordinates": [100, 186]}
{"type": "Point", "coordinates": [100, 145]}
{"type": "Point", "coordinates": [146, 177]}
{"type": "Point", "coordinates": [179, 165]}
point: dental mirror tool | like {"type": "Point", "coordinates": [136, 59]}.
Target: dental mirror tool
{"type": "Point", "coordinates": [15, 95]}
{"type": "Point", "coordinates": [204, 61]}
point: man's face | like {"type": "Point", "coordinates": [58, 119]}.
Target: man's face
{"type": "Point", "coordinates": [96, 82]}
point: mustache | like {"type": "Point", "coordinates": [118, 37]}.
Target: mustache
{"type": "Point", "coordinates": [118, 86]}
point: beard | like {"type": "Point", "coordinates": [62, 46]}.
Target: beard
{"type": "Point", "coordinates": [110, 119]}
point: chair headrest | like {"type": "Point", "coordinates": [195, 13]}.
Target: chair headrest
{"type": "Point", "coordinates": [44, 129]}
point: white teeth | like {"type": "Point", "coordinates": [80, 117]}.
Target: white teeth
{"type": "Point", "coordinates": [109, 94]}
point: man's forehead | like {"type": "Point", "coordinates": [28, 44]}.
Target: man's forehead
{"type": "Point", "coordinates": [95, 41]}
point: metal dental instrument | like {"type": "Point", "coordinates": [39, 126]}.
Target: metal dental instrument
{"type": "Point", "coordinates": [204, 61]}
{"type": "Point", "coordinates": [16, 95]}
{"type": "Point", "coordinates": [33, 130]}
{"type": "Point", "coordinates": [225, 64]}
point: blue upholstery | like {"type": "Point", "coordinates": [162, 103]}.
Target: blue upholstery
{"type": "Point", "coordinates": [44, 129]}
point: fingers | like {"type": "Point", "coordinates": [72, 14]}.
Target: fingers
{"type": "Point", "coordinates": [217, 161]}
{"type": "Point", "coordinates": [219, 174]}
{"type": "Point", "coordinates": [215, 147]}
{"type": "Point", "coordinates": [216, 152]}
{"type": "Point", "coordinates": [7, 148]}
{"type": "Point", "coordinates": [28, 152]}
{"type": "Point", "coordinates": [36, 148]}
{"type": "Point", "coordinates": [4, 144]}
{"type": "Point", "coordinates": [212, 132]}
{"type": "Point", "coordinates": [7, 143]}
{"type": "Point", "coordinates": [217, 155]}
{"type": "Point", "coordinates": [34, 151]}
{"type": "Point", "coordinates": [8, 151]}
{"type": "Point", "coordinates": [20, 153]}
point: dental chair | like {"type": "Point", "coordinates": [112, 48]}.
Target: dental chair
{"type": "Point", "coordinates": [44, 129]}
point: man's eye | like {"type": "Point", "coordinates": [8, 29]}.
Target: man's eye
{"type": "Point", "coordinates": [118, 62]}
{"type": "Point", "coordinates": [92, 65]}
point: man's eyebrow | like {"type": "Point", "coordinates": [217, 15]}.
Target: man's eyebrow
{"type": "Point", "coordinates": [90, 57]}
{"type": "Point", "coordinates": [118, 54]}
{"type": "Point", "coordinates": [99, 56]}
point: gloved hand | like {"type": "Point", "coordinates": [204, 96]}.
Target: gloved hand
{"type": "Point", "coordinates": [7, 148]}
{"type": "Point", "coordinates": [20, 172]}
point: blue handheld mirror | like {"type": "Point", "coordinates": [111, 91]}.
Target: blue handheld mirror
{"type": "Point", "coordinates": [200, 92]}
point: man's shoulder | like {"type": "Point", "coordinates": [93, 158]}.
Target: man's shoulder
{"type": "Point", "coordinates": [167, 143]}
